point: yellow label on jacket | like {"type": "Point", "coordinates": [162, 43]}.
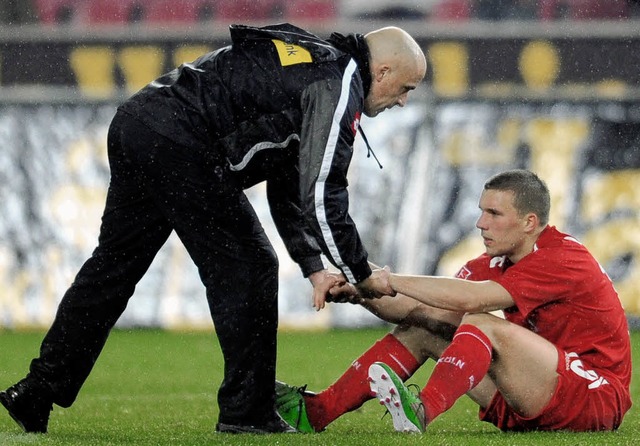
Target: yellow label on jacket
{"type": "Point", "coordinates": [291, 54]}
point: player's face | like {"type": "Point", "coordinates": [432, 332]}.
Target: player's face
{"type": "Point", "coordinates": [391, 87]}
{"type": "Point", "coordinates": [502, 229]}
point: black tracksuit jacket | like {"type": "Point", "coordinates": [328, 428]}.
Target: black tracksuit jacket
{"type": "Point", "coordinates": [281, 105]}
{"type": "Point", "coordinates": [278, 105]}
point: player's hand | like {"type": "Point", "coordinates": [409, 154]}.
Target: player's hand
{"type": "Point", "coordinates": [344, 293]}
{"type": "Point", "coordinates": [376, 285]}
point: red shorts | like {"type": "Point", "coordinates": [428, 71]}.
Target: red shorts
{"type": "Point", "coordinates": [584, 400]}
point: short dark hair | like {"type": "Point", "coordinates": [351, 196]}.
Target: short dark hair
{"type": "Point", "coordinates": [530, 192]}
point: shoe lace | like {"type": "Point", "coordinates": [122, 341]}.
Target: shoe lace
{"type": "Point", "coordinates": [414, 388]}
{"type": "Point", "coordinates": [301, 390]}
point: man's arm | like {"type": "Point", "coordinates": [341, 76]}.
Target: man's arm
{"type": "Point", "coordinates": [291, 225]}
{"type": "Point", "coordinates": [330, 109]}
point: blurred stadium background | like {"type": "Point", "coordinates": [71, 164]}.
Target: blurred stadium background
{"type": "Point", "coordinates": [550, 85]}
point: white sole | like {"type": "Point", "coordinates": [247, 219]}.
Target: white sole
{"type": "Point", "coordinates": [385, 391]}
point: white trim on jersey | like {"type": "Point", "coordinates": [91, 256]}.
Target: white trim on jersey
{"type": "Point", "coordinates": [329, 151]}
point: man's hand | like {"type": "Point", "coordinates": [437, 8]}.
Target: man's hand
{"type": "Point", "coordinates": [322, 282]}
{"type": "Point", "coordinates": [333, 287]}
{"type": "Point", "coordinates": [373, 287]}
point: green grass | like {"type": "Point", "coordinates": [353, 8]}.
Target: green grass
{"type": "Point", "coordinates": [158, 388]}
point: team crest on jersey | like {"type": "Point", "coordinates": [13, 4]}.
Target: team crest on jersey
{"type": "Point", "coordinates": [291, 54]}
{"type": "Point", "coordinates": [356, 123]}
{"type": "Point", "coordinates": [464, 273]}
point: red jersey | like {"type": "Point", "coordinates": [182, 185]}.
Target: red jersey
{"type": "Point", "coordinates": [562, 294]}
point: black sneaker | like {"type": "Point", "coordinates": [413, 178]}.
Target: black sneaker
{"type": "Point", "coordinates": [28, 405]}
{"type": "Point", "coordinates": [276, 426]}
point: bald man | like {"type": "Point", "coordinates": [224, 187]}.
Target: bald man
{"type": "Point", "coordinates": [397, 67]}
{"type": "Point", "coordinates": [278, 105]}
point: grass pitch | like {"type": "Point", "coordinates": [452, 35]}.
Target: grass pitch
{"type": "Point", "coordinates": [158, 388]}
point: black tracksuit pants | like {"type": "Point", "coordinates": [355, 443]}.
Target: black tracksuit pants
{"type": "Point", "coordinates": [156, 187]}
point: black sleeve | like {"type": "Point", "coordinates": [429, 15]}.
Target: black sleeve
{"type": "Point", "coordinates": [281, 175]}
{"type": "Point", "coordinates": [283, 196]}
{"type": "Point", "coordinates": [331, 110]}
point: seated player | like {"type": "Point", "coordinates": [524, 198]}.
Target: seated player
{"type": "Point", "coordinates": [560, 358]}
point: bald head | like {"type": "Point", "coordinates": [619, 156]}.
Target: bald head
{"type": "Point", "coordinates": [397, 66]}
{"type": "Point", "coordinates": [394, 44]}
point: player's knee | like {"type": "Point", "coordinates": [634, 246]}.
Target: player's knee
{"type": "Point", "coordinates": [494, 327]}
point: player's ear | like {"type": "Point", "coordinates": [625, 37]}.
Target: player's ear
{"type": "Point", "coordinates": [531, 222]}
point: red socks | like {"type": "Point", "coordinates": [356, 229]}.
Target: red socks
{"type": "Point", "coordinates": [352, 389]}
{"type": "Point", "coordinates": [463, 364]}
{"type": "Point", "coordinates": [461, 367]}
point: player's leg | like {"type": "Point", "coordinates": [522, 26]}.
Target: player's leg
{"type": "Point", "coordinates": [422, 332]}
{"type": "Point", "coordinates": [543, 388]}
{"type": "Point", "coordinates": [461, 366]}
{"type": "Point", "coordinates": [523, 367]}
{"type": "Point", "coordinates": [351, 389]}
{"type": "Point", "coordinates": [406, 408]}
{"type": "Point", "coordinates": [487, 353]}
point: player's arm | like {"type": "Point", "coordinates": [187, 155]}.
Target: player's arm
{"type": "Point", "coordinates": [452, 293]}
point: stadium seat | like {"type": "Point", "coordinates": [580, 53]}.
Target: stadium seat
{"type": "Point", "coordinates": [116, 11]}
{"type": "Point", "coordinates": [248, 9]}
{"type": "Point", "coordinates": [549, 10]}
{"type": "Point", "coordinates": [52, 12]}
{"type": "Point", "coordinates": [179, 11]}
{"type": "Point", "coordinates": [311, 9]}
{"type": "Point", "coordinates": [598, 9]}
{"type": "Point", "coordinates": [451, 10]}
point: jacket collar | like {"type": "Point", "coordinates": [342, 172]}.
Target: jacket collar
{"type": "Point", "coordinates": [356, 46]}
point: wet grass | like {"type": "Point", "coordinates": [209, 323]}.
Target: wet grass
{"type": "Point", "coordinates": [158, 388]}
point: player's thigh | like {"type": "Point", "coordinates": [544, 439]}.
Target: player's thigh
{"type": "Point", "coordinates": [524, 364]}
{"type": "Point", "coordinates": [484, 392]}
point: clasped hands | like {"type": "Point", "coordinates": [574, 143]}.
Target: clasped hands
{"type": "Point", "coordinates": [334, 287]}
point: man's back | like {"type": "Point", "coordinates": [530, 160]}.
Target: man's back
{"type": "Point", "coordinates": [259, 74]}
